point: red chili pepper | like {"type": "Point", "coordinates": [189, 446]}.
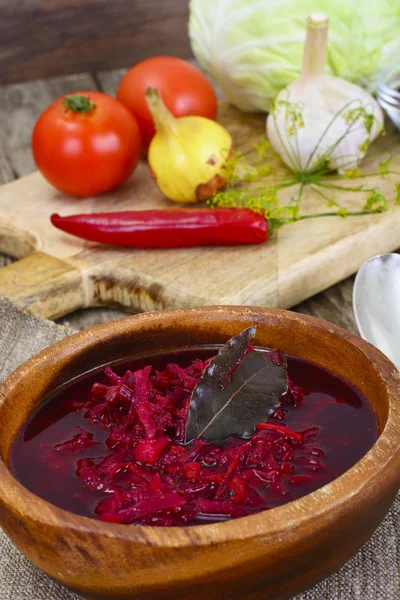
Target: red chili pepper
{"type": "Point", "coordinates": [173, 228]}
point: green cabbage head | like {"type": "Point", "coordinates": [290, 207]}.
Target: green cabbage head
{"type": "Point", "coordinates": [254, 48]}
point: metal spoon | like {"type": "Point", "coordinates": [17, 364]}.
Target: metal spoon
{"type": "Point", "coordinates": [376, 304]}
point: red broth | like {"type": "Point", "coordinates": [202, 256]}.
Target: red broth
{"type": "Point", "coordinates": [85, 450]}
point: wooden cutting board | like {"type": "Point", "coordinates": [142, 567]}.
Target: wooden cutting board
{"type": "Point", "coordinates": [58, 273]}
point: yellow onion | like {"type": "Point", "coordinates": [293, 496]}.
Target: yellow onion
{"type": "Point", "coordinates": [187, 154]}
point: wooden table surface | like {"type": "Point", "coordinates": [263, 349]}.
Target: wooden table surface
{"type": "Point", "coordinates": [21, 104]}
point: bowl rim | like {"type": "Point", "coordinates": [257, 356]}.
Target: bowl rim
{"type": "Point", "coordinates": [274, 522]}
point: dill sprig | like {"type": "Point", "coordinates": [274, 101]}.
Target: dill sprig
{"type": "Point", "coordinates": [256, 178]}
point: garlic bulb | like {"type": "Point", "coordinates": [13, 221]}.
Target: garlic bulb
{"type": "Point", "coordinates": [320, 121]}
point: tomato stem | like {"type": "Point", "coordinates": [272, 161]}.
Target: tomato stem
{"type": "Point", "coordinates": [78, 103]}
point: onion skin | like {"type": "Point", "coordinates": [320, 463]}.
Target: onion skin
{"type": "Point", "coordinates": [204, 191]}
{"type": "Point", "coordinates": [187, 155]}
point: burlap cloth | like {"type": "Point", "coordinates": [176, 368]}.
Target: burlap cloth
{"type": "Point", "coordinates": [373, 574]}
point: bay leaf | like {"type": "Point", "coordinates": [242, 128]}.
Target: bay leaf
{"type": "Point", "coordinates": [240, 388]}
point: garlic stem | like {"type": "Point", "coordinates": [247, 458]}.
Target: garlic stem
{"type": "Point", "coordinates": [162, 117]}
{"type": "Point", "coordinates": [314, 56]}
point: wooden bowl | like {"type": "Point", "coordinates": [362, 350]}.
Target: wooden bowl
{"type": "Point", "coordinates": [273, 554]}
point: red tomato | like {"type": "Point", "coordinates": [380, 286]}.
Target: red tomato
{"type": "Point", "coordinates": [184, 89]}
{"type": "Point", "coordinates": [86, 147]}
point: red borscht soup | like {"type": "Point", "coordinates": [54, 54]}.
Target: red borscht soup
{"type": "Point", "coordinates": [111, 445]}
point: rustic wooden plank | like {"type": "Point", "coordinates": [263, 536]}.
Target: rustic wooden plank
{"type": "Point", "coordinates": [88, 317]}
{"type": "Point", "coordinates": [80, 319]}
{"type": "Point", "coordinates": [20, 106]}
{"type": "Point", "coordinates": [63, 283]}
{"type": "Point", "coordinates": [298, 261]}
{"type": "Point", "coordinates": [108, 81]}
{"type": "Point", "coordinates": [333, 305]}
{"type": "Point", "coordinates": [57, 37]}
{"type": "Point", "coordinates": [6, 171]}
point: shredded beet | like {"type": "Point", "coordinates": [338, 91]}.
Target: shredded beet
{"type": "Point", "coordinates": [129, 456]}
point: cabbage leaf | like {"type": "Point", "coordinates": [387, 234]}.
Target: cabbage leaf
{"type": "Point", "coordinates": [254, 48]}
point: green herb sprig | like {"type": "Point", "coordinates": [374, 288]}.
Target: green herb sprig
{"type": "Point", "coordinates": [256, 178]}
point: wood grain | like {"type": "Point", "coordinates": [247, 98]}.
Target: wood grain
{"type": "Point", "coordinates": [299, 261]}
{"type": "Point", "coordinates": [43, 283]}
{"type": "Point", "coordinates": [334, 305]}
{"type": "Point", "coordinates": [240, 559]}
{"type": "Point", "coordinates": [46, 38]}
{"type": "Point", "coordinates": [108, 81]}
{"type": "Point", "coordinates": [6, 170]}
{"type": "Point", "coordinates": [89, 317]}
